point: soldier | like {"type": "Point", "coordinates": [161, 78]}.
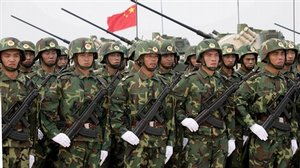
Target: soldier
{"type": "Point", "coordinates": [132, 66]}
{"type": "Point", "coordinates": [190, 60]}
{"type": "Point", "coordinates": [112, 55]}
{"type": "Point", "coordinates": [15, 86]}
{"type": "Point", "coordinates": [63, 60]}
{"type": "Point", "coordinates": [67, 101]}
{"type": "Point", "coordinates": [230, 58]}
{"type": "Point", "coordinates": [26, 65]}
{"type": "Point", "coordinates": [208, 143]}
{"type": "Point", "coordinates": [47, 52]}
{"type": "Point", "coordinates": [254, 99]}
{"type": "Point", "coordinates": [134, 93]}
{"type": "Point", "coordinates": [239, 158]}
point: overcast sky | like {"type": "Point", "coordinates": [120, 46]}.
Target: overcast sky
{"type": "Point", "coordinates": [205, 15]}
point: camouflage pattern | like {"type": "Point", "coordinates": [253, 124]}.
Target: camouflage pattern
{"type": "Point", "coordinates": [82, 45]}
{"type": "Point", "coordinates": [252, 100]}
{"type": "Point", "coordinates": [190, 51]}
{"type": "Point", "coordinates": [246, 49]}
{"type": "Point", "coordinates": [229, 49]}
{"type": "Point", "coordinates": [269, 46]}
{"type": "Point", "coordinates": [64, 51]}
{"type": "Point", "coordinates": [9, 43]}
{"type": "Point", "coordinates": [146, 47]}
{"type": "Point", "coordinates": [168, 47]}
{"type": "Point", "coordinates": [16, 152]}
{"type": "Point", "coordinates": [44, 44]}
{"type": "Point", "coordinates": [291, 46]}
{"type": "Point", "coordinates": [28, 46]}
{"type": "Point", "coordinates": [130, 96]}
{"type": "Point", "coordinates": [131, 51]}
{"type": "Point", "coordinates": [208, 146]}
{"type": "Point", "coordinates": [206, 45]}
{"type": "Point", "coordinates": [109, 48]}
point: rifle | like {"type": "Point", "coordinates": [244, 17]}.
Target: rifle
{"type": "Point", "coordinates": [111, 33]}
{"type": "Point", "coordinates": [287, 28]}
{"type": "Point", "coordinates": [198, 32]}
{"type": "Point", "coordinates": [280, 108]}
{"type": "Point", "coordinates": [7, 129]}
{"type": "Point", "coordinates": [142, 125]}
{"type": "Point", "coordinates": [204, 115]}
{"type": "Point", "coordinates": [64, 40]}
{"type": "Point", "coordinates": [87, 113]}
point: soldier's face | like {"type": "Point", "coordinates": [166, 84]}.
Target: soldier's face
{"type": "Point", "coordinates": [62, 61]}
{"type": "Point", "coordinates": [249, 61]}
{"type": "Point", "coordinates": [211, 59]}
{"type": "Point", "coordinates": [114, 59]}
{"type": "Point", "coordinates": [28, 62]}
{"type": "Point", "coordinates": [85, 60]}
{"type": "Point", "coordinates": [290, 57]}
{"type": "Point", "coordinates": [10, 59]}
{"type": "Point", "coordinates": [49, 57]}
{"type": "Point", "coordinates": [194, 61]}
{"type": "Point", "coordinates": [150, 61]}
{"type": "Point", "coordinates": [229, 60]}
{"type": "Point", "coordinates": [167, 61]}
{"type": "Point", "coordinates": [277, 58]}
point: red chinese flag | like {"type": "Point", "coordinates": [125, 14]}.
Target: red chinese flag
{"type": "Point", "coordinates": [122, 20]}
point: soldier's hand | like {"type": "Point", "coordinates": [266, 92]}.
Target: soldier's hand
{"type": "Point", "coordinates": [259, 131]}
{"type": "Point", "coordinates": [40, 134]}
{"type": "Point", "coordinates": [62, 139]}
{"type": "Point", "coordinates": [231, 146]}
{"type": "Point", "coordinates": [191, 124]}
{"type": "Point", "coordinates": [169, 153]}
{"type": "Point", "coordinates": [103, 156]}
{"type": "Point", "coordinates": [31, 160]}
{"type": "Point", "coordinates": [131, 138]}
{"type": "Point", "coordinates": [294, 145]}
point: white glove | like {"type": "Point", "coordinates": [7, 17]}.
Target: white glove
{"type": "Point", "coordinates": [184, 142]}
{"type": "Point", "coordinates": [231, 146]}
{"type": "Point", "coordinates": [294, 145]}
{"type": "Point", "coordinates": [103, 156]}
{"type": "Point", "coordinates": [131, 138]}
{"type": "Point", "coordinates": [259, 131]}
{"type": "Point", "coordinates": [245, 138]}
{"type": "Point", "coordinates": [62, 139]}
{"type": "Point", "coordinates": [31, 160]}
{"type": "Point", "coordinates": [40, 134]}
{"type": "Point", "coordinates": [191, 124]}
{"type": "Point", "coordinates": [169, 153]}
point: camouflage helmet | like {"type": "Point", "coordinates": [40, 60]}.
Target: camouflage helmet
{"type": "Point", "coordinates": [291, 46]}
{"type": "Point", "coordinates": [270, 45]}
{"type": "Point", "coordinates": [11, 43]}
{"type": "Point", "coordinates": [229, 49]}
{"type": "Point", "coordinates": [247, 49]}
{"type": "Point", "coordinates": [111, 47]}
{"type": "Point", "coordinates": [131, 51]}
{"type": "Point", "coordinates": [146, 47]}
{"type": "Point", "coordinates": [63, 51]}
{"type": "Point", "coordinates": [44, 44]}
{"type": "Point", "coordinates": [190, 51]}
{"type": "Point", "coordinates": [28, 46]}
{"type": "Point", "coordinates": [82, 45]}
{"type": "Point", "coordinates": [206, 45]}
{"type": "Point", "coordinates": [168, 47]}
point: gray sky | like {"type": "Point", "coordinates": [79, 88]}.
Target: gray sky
{"type": "Point", "coordinates": [205, 15]}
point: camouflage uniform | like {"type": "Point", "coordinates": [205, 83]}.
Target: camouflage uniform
{"type": "Point", "coordinates": [67, 99]}
{"type": "Point", "coordinates": [253, 98]}
{"type": "Point", "coordinates": [43, 147]}
{"type": "Point", "coordinates": [130, 96]}
{"type": "Point", "coordinates": [207, 147]}
{"type": "Point", "coordinates": [15, 151]}
{"type": "Point", "coordinates": [116, 151]}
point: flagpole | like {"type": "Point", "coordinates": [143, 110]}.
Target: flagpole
{"type": "Point", "coordinates": [162, 19]}
{"type": "Point", "coordinates": [137, 25]}
{"type": "Point", "coordinates": [294, 24]}
{"type": "Point", "coordinates": [238, 11]}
